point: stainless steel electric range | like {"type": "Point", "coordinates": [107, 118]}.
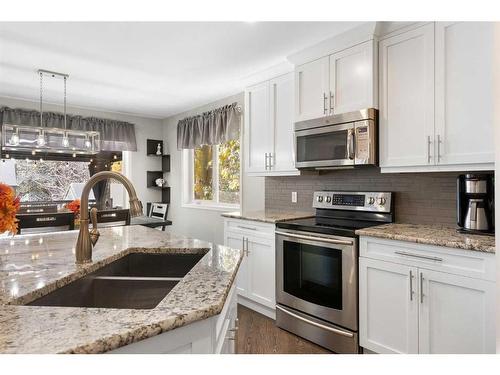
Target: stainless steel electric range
{"type": "Point", "coordinates": [317, 267]}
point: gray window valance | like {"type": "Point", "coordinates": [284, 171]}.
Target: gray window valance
{"type": "Point", "coordinates": [115, 135]}
{"type": "Point", "coordinates": [210, 128]}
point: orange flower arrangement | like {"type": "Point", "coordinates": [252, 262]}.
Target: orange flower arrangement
{"type": "Point", "coordinates": [74, 206]}
{"type": "Point", "coordinates": [9, 205]}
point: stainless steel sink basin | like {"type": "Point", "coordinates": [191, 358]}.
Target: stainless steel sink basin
{"type": "Point", "coordinates": [136, 281]}
{"type": "Point", "coordinates": [151, 265]}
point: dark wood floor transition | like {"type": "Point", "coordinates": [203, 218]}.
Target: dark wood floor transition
{"type": "Point", "coordinates": [257, 334]}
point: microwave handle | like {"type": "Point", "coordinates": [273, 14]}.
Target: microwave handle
{"type": "Point", "coordinates": [350, 144]}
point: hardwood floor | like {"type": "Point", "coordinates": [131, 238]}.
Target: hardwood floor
{"type": "Point", "coordinates": [257, 334]}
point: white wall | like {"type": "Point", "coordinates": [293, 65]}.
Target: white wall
{"type": "Point", "coordinates": [136, 163]}
{"type": "Point", "coordinates": [196, 222]}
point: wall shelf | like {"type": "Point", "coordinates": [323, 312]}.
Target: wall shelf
{"type": "Point", "coordinates": [152, 147]}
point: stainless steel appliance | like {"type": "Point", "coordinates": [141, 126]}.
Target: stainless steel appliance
{"type": "Point", "coordinates": [338, 141]}
{"type": "Point", "coordinates": [475, 204]}
{"type": "Point", "coordinates": [317, 267]}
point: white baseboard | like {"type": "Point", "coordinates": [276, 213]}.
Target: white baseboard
{"type": "Point", "coordinates": [261, 309]}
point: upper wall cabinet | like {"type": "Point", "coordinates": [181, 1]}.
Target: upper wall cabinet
{"type": "Point", "coordinates": [464, 93]}
{"type": "Point", "coordinates": [407, 98]}
{"type": "Point", "coordinates": [268, 136]}
{"type": "Point", "coordinates": [342, 82]}
{"type": "Point", "coordinates": [436, 98]}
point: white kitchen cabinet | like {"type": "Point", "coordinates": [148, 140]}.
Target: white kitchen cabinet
{"type": "Point", "coordinates": [464, 93]}
{"type": "Point", "coordinates": [235, 241]}
{"type": "Point", "coordinates": [281, 116]}
{"type": "Point", "coordinates": [268, 136]}
{"type": "Point", "coordinates": [353, 79]}
{"type": "Point", "coordinates": [342, 82]}
{"type": "Point", "coordinates": [256, 280]}
{"type": "Point", "coordinates": [388, 314]}
{"type": "Point", "coordinates": [258, 134]}
{"type": "Point", "coordinates": [448, 307]}
{"type": "Point", "coordinates": [436, 98]}
{"type": "Point", "coordinates": [456, 314]}
{"type": "Point", "coordinates": [214, 335]}
{"type": "Point", "coordinates": [312, 89]}
{"type": "Point", "coordinates": [406, 118]}
{"type": "Point", "coordinates": [261, 271]}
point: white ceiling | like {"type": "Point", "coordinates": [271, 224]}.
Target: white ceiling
{"type": "Point", "coordinates": [148, 69]}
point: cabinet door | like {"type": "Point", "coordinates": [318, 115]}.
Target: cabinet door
{"type": "Point", "coordinates": [235, 241]}
{"type": "Point", "coordinates": [261, 271]}
{"type": "Point", "coordinates": [388, 310]}
{"type": "Point", "coordinates": [407, 98]}
{"type": "Point", "coordinates": [258, 130]}
{"type": "Point", "coordinates": [311, 89]}
{"type": "Point", "coordinates": [464, 92]}
{"type": "Point", "coordinates": [352, 79]}
{"type": "Point", "coordinates": [281, 105]}
{"type": "Point", "coordinates": [457, 314]}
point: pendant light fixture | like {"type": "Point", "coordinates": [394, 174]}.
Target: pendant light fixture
{"type": "Point", "coordinates": [33, 140]}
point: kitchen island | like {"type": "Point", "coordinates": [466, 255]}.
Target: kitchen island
{"type": "Point", "coordinates": [32, 266]}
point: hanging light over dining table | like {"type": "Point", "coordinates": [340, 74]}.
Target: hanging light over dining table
{"type": "Point", "coordinates": [40, 140]}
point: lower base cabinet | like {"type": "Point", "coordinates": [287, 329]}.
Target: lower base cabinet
{"type": "Point", "coordinates": [424, 305]}
{"type": "Point", "coordinates": [215, 335]}
{"type": "Point", "coordinates": [255, 283]}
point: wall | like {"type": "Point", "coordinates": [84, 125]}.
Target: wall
{"type": "Point", "coordinates": [420, 198]}
{"type": "Point", "coordinates": [136, 163]}
{"type": "Point", "coordinates": [195, 222]}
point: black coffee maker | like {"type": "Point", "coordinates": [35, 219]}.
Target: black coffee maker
{"type": "Point", "coordinates": [475, 203]}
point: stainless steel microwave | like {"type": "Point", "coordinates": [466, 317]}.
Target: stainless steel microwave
{"type": "Point", "coordinates": [338, 141]}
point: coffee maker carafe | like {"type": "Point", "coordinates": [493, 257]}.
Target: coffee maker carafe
{"type": "Point", "coordinates": [475, 203]}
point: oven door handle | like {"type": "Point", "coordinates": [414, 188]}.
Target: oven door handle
{"type": "Point", "coordinates": [334, 330]}
{"type": "Point", "coordinates": [319, 239]}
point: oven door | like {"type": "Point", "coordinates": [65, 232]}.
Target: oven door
{"type": "Point", "coordinates": [318, 275]}
{"type": "Point", "coordinates": [327, 146]}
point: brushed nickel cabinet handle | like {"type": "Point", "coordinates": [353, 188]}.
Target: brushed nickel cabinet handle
{"type": "Point", "coordinates": [244, 227]}
{"type": "Point", "coordinates": [421, 288]}
{"type": "Point", "coordinates": [411, 286]}
{"type": "Point", "coordinates": [248, 251]}
{"type": "Point", "coordinates": [404, 253]}
{"type": "Point", "coordinates": [266, 160]}
{"type": "Point", "coordinates": [439, 148]}
{"type": "Point", "coordinates": [429, 149]}
{"type": "Point", "coordinates": [325, 110]}
{"type": "Point", "coordinates": [331, 102]}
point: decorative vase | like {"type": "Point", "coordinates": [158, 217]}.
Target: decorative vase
{"type": "Point", "coordinates": [158, 149]}
{"type": "Point", "coordinates": [159, 182]}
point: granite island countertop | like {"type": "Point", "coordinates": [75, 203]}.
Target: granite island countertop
{"type": "Point", "coordinates": [268, 216]}
{"type": "Point", "coordinates": [437, 235]}
{"type": "Point", "coordinates": [34, 265]}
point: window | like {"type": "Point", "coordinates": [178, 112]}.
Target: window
{"type": "Point", "coordinates": [213, 175]}
{"type": "Point", "coordinates": [47, 180]}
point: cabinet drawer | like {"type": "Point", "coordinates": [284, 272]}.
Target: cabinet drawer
{"type": "Point", "coordinates": [455, 261]}
{"type": "Point", "coordinates": [247, 227]}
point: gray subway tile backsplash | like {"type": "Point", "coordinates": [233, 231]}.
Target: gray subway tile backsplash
{"type": "Point", "coordinates": [420, 198]}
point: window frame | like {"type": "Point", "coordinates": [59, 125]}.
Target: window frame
{"type": "Point", "coordinates": [188, 200]}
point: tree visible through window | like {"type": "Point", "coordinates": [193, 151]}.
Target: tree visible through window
{"type": "Point", "coordinates": [216, 173]}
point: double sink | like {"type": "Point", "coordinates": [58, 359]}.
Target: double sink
{"type": "Point", "coordinates": [136, 281]}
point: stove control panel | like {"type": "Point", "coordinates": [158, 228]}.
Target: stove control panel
{"type": "Point", "coordinates": [357, 201]}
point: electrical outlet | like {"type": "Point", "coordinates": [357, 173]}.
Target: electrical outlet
{"type": "Point", "coordinates": [294, 197]}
